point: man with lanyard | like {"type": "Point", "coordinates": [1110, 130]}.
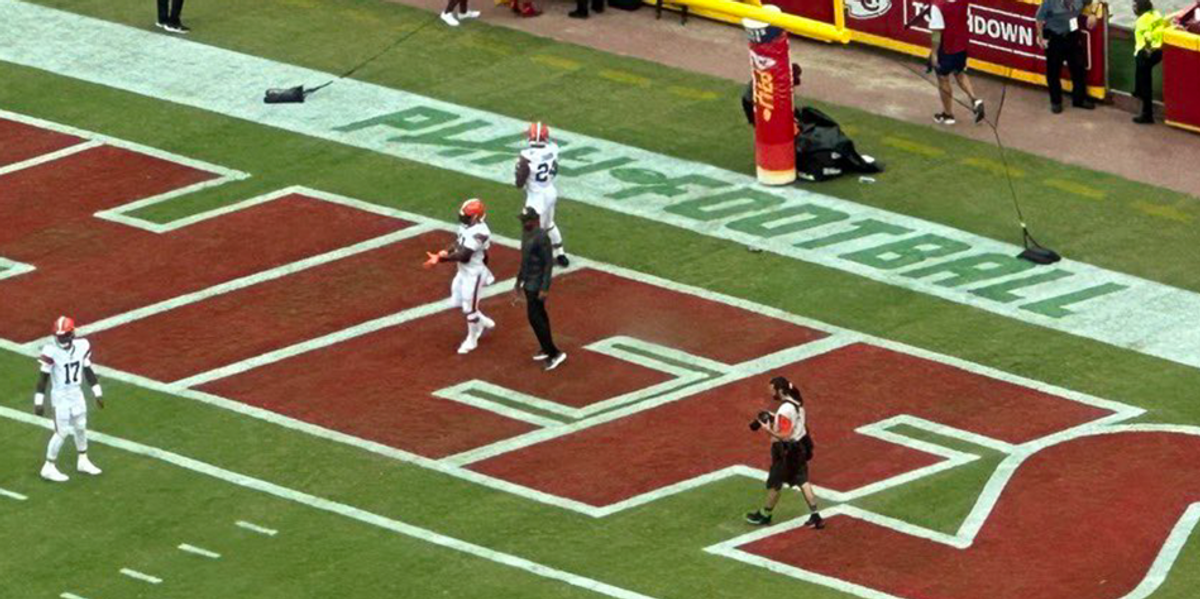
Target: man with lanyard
{"type": "Point", "coordinates": [791, 448]}
{"type": "Point", "coordinates": [1059, 35]}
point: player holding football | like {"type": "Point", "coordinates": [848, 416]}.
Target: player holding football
{"type": "Point", "coordinates": [470, 252]}
{"type": "Point", "coordinates": [537, 167]}
{"type": "Point", "coordinates": [66, 362]}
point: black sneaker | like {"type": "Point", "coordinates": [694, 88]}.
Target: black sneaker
{"type": "Point", "coordinates": [1056, 108]}
{"type": "Point", "coordinates": [563, 261]}
{"type": "Point", "coordinates": [978, 109]}
{"type": "Point", "coordinates": [1087, 104]}
{"type": "Point", "coordinates": [815, 521]}
{"type": "Point", "coordinates": [177, 27]}
{"type": "Point", "coordinates": [578, 14]}
{"type": "Point", "coordinates": [160, 24]}
{"type": "Point", "coordinates": [758, 519]}
{"type": "Point", "coordinates": [1142, 119]}
{"type": "Point", "coordinates": [942, 118]}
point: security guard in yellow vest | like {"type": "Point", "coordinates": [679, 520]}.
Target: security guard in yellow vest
{"type": "Point", "coordinates": [1148, 35]}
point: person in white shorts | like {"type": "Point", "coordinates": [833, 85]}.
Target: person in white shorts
{"type": "Point", "coordinates": [470, 252]}
{"type": "Point", "coordinates": [537, 168]}
{"type": "Point", "coordinates": [66, 362]}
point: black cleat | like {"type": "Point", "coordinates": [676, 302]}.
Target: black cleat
{"type": "Point", "coordinates": [563, 260]}
{"type": "Point", "coordinates": [758, 519]}
{"type": "Point", "coordinates": [815, 521]}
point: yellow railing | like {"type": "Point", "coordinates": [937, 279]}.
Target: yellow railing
{"type": "Point", "coordinates": [733, 12]}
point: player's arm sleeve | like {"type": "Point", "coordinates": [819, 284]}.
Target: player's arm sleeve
{"type": "Point", "coordinates": [936, 22]}
{"type": "Point", "coordinates": [523, 171]}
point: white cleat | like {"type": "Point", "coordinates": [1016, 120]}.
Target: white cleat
{"type": "Point", "coordinates": [470, 14]}
{"type": "Point", "coordinates": [50, 472]}
{"type": "Point", "coordinates": [468, 345]}
{"type": "Point", "coordinates": [487, 323]}
{"type": "Point", "coordinates": [448, 18]}
{"type": "Point", "coordinates": [86, 466]}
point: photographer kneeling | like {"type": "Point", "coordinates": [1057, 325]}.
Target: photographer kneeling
{"type": "Point", "coordinates": [791, 449]}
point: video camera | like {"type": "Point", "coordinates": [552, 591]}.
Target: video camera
{"type": "Point", "coordinates": [764, 417]}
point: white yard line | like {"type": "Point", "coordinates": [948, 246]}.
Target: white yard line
{"type": "Point", "coordinates": [336, 508]}
{"type": "Point", "coordinates": [198, 551]}
{"type": "Point", "coordinates": [252, 527]}
{"type": "Point", "coordinates": [141, 576]}
{"type": "Point", "coordinates": [13, 495]}
{"type": "Point", "coordinates": [50, 157]}
{"type": "Point", "coordinates": [70, 596]}
{"type": "Point", "coordinates": [255, 279]}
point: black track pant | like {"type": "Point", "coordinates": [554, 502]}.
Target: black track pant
{"type": "Point", "coordinates": [540, 321]}
{"type": "Point", "coordinates": [1143, 87]}
{"type": "Point", "coordinates": [176, 7]}
{"type": "Point", "coordinates": [1066, 48]}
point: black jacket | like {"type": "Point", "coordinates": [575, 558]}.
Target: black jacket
{"type": "Point", "coordinates": [537, 261]}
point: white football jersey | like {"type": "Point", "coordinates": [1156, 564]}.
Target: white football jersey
{"type": "Point", "coordinates": [477, 238]}
{"type": "Point", "coordinates": [543, 166]}
{"type": "Point", "coordinates": [66, 366]}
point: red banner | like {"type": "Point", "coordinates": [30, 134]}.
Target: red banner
{"type": "Point", "coordinates": [1003, 34]}
{"type": "Point", "coordinates": [774, 125]}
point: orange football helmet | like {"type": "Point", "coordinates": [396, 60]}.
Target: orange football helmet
{"type": "Point", "coordinates": [539, 133]}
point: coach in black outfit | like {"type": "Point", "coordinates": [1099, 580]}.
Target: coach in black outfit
{"type": "Point", "coordinates": [537, 266]}
{"type": "Point", "coordinates": [168, 16]}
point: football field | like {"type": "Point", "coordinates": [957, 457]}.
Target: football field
{"type": "Point", "coordinates": [286, 415]}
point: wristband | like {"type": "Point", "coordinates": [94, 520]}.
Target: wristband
{"type": "Point", "coordinates": [39, 399]}
{"type": "Point", "coordinates": [96, 390]}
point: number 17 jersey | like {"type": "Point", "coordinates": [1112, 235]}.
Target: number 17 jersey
{"type": "Point", "coordinates": [65, 366]}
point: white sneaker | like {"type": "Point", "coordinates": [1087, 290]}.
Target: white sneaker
{"type": "Point", "coordinates": [541, 356]}
{"type": "Point", "coordinates": [487, 323]}
{"type": "Point", "coordinates": [50, 472]}
{"type": "Point", "coordinates": [86, 466]}
{"type": "Point", "coordinates": [470, 14]}
{"type": "Point", "coordinates": [448, 18]}
{"type": "Point", "coordinates": [556, 360]}
{"type": "Point", "coordinates": [468, 344]}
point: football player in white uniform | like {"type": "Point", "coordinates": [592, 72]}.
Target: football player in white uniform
{"type": "Point", "coordinates": [66, 362]}
{"type": "Point", "coordinates": [537, 168]}
{"type": "Point", "coordinates": [470, 252]}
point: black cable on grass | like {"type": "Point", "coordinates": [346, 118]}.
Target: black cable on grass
{"type": "Point", "coordinates": [290, 95]}
{"type": "Point", "coordinates": [1034, 251]}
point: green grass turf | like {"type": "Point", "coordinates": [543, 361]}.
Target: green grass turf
{"type": "Point", "coordinates": [654, 549]}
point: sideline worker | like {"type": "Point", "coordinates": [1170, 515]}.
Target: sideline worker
{"type": "Point", "coordinates": [537, 266]}
{"type": "Point", "coordinates": [791, 449]}
{"type": "Point", "coordinates": [168, 16]}
{"type": "Point", "coordinates": [948, 54]}
{"type": "Point", "coordinates": [1147, 53]}
{"type": "Point", "coordinates": [1058, 33]}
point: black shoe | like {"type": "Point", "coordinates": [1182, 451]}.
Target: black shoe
{"type": "Point", "coordinates": [578, 14]}
{"type": "Point", "coordinates": [160, 24]}
{"type": "Point", "coordinates": [177, 27]}
{"type": "Point", "coordinates": [1143, 119]}
{"type": "Point", "coordinates": [977, 108]}
{"type": "Point", "coordinates": [1056, 108]}
{"type": "Point", "coordinates": [758, 519]}
{"type": "Point", "coordinates": [815, 521]}
{"type": "Point", "coordinates": [563, 261]}
{"type": "Point", "coordinates": [1086, 104]}
{"type": "Point", "coordinates": [598, 8]}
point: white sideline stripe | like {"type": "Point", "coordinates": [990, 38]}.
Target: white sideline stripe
{"type": "Point", "coordinates": [262, 530]}
{"type": "Point", "coordinates": [13, 495]}
{"type": "Point", "coordinates": [1119, 411]}
{"type": "Point", "coordinates": [12, 268]}
{"type": "Point", "coordinates": [332, 338]}
{"type": "Point", "coordinates": [497, 407]}
{"type": "Point", "coordinates": [336, 508]}
{"type": "Point", "coordinates": [141, 576]}
{"type": "Point", "coordinates": [256, 278]}
{"type": "Point", "coordinates": [198, 551]}
{"type": "Point", "coordinates": [973, 523]}
{"type": "Point", "coordinates": [70, 596]}
{"type": "Point", "coordinates": [50, 157]}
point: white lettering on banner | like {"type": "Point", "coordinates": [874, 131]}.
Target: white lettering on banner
{"type": "Point", "coordinates": [898, 250]}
